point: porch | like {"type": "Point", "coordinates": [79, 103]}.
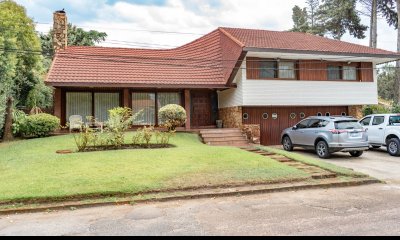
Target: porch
{"type": "Point", "coordinates": [201, 105]}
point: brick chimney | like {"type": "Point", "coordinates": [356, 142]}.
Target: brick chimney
{"type": "Point", "coordinates": [60, 30]}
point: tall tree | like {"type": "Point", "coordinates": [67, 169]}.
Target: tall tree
{"type": "Point", "coordinates": [340, 16]}
{"type": "Point", "coordinates": [386, 81]}
{"type": "Point", "coordinates": [20, 59]}
{"type": "Point", "coordinates": [76, 37]}
{"type": "Point", "coordinates": [313, 6]}
{"type": "Point", "coordinates": [300, 20]}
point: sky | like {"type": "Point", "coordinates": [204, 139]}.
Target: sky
{"type": "Point", "coordinates": [124, 20]}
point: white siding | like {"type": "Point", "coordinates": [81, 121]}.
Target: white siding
{"type": "Point", "coordinates": [298, 93]}
{"type": "Point", "coordinates": [232, 97]}
{"type": "Point", "coordinates": [308, 93]}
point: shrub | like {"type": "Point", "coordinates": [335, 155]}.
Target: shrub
{"type": "Point", "coordinates": [83, 139]}
{"type": "Point", "coordinates": [118, 123]}
{"type": "Point", "coordinates": [172, 116]}
{"type": "Point", "coordinates": [375, 109]}
{"type": "Point", "coordinates": [163, 138]}
{"type": "Point", "coordinates": [19, 120]}
{"type": "Point", "coordinates": [40, 125]}
{"type": "Point", "coordinates": [396, 108]}
{"type": "Point", "coordinates": [147, 133]}
{"type": "Point", "coordinates": [137, 138]}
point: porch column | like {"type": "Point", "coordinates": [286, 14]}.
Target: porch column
{"type": "Point", "coordinates": [57, 103]}
{"type": "Point", "coordinates": [187, 108]}
{"type": "Point", "coordinates": [125, 97]}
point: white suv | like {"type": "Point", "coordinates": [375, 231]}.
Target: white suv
{"type": "Point", "coordinates": [383, 130]}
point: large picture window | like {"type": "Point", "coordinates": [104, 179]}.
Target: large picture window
{"type": "Point", "coordinates": [103, 102]}
{"type": "Point", "coordinates": [144, 108]}
{"type": "Point", "coordinates": [79, 103]}
{"type": "Point", "coordinates": [146, 105]}
{"type": "Point", "coordinates": [91, 104]}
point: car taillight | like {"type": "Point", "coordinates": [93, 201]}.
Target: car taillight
{"type": "Point", "coordinates": [338, 132]}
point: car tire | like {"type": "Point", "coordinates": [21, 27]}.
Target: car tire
{"type": "Point", "coordinates": [356, 154]}
{"type": "Point", "coordinates": [287, 144]}
{"type": "Point", "coordinates": [322, 150]}
{"type": "Point", "coordinates": [393, 147]}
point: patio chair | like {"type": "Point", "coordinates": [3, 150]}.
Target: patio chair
{"type": "Point", "coordinates": [75, 123]}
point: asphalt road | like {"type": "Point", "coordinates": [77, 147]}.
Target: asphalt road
{"type": "Point", "coordinates": [366, 210]}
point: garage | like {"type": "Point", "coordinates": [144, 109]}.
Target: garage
{"type": "Point", "coordinates": [273, 120]}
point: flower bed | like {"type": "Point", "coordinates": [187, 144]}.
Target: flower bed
{"type": "Point", "coordinates": [127, 147]}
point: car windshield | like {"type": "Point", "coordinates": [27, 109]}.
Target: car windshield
{"type": "Point", "coordinates": [347, 125]}
{"type": "Point", "coordinates": [394, 121]}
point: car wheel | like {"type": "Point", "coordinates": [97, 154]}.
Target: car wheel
{"type": "Point", "coordinates": [287, 144]}
{"type": "Point", "coordinates": [393, 147]}
{"type": "Point", "coordinates": [322, 150]}
{"type": "Point", "coordinates": [356, 153]}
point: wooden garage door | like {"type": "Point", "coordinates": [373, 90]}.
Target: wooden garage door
{"type": "Point", "coordinates": [273, 120]}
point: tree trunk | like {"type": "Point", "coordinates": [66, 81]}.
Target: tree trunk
{"type": "Point", "coordinates": [8, 135]}
{"type": "Point", "coordinates": [397, 82]}
{"type": "Point", "coordinates": [373, 41]}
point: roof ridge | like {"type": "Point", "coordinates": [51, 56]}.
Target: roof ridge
{"type": "Point", "coordinates": [237, 41]}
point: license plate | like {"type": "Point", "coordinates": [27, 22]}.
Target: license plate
{"type": "Point", "coordinates": [355, 135]}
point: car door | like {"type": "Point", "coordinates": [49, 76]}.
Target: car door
{"type": "Point", "coordinates": [297, 135]}
{"type": "Point", "coordinates": [376, 130]}
{"type": "Point", "coordinates": [310, 134]}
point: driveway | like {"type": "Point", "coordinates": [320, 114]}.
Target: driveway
{"type": "Point", "coordinates": [376, 163]}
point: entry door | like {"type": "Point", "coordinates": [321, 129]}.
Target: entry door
{"type": "Point", "coordinates": [201, 109]}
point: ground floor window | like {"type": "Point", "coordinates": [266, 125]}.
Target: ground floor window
{"type": "Point", "coordinates": [145, 106]}
{"type": "Point", "coordinates": [87, 104]}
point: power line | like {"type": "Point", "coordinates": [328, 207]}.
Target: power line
{"type": "Point", "coordinates": [116, 58]}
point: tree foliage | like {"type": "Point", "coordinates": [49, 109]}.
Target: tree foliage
{"type": "Point", "coordinates": [331, 17]}
{"type": "Point", "coordinates": [386, 81]}
{"type": "Point", "coordinates": [76, 37]}
{"type": "Point", "coordinates": [20, 58]}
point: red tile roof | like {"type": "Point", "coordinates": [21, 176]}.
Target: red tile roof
{"type": "Point", "coordinates": [296, 41]}
{"type": "Point", "coordinates": [206, 62]}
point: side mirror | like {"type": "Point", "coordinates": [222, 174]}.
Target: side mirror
{"type": "Point", "coordinates": [295, 128]}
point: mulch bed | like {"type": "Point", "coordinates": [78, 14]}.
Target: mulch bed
{"type": "Point", "coordinates": [123, 147]}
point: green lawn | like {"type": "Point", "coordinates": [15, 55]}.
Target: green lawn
{"type": "Point", "coordinates": [30, 169]}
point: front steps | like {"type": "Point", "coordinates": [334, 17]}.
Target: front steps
{"type": "Point", "coordinates": [224, 137]}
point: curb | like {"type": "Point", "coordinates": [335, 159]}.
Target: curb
{"type": "Point", "coordinates": [227, 193]}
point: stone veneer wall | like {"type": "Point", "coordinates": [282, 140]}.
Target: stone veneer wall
{"type": "Point", "coordinates": [60, 31]}
{"type": "Point", "coordinates": [356, 111]}
{"type": "Point", "coordinates": [231, 117]}
{"type": "Point", "coordinates": [253, 133]}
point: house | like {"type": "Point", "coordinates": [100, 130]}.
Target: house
{"type": "Point", "coordinates": [268, 80]}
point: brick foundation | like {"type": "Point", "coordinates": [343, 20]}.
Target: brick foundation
{"type": "Point", "coordinates": [231, 117]}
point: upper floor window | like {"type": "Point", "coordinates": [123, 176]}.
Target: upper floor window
{"type": "Point", "coordinates": [342, 73]}
{"type": "Point", "coordinates": [277, 70]}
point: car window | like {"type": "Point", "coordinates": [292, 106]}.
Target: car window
{"type": "Point", "coordinates": [366, 121]}
{"type": "Point", "coordinates": [394, 121]}
{"type": "Point", "coordinates": [314, 123]}
{"type": "Point", "coordinates": [347, 125]}
{"type": "Point", "coordinates": [378, 120]}
{"type": "Point", "coordinates": [303, 124]}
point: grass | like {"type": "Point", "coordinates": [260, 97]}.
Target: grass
{"type": "Point", "coordinates": [313, 162]}
{"type": "Point", "coordinates": [31, 169]}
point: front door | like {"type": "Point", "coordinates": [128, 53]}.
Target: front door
{"type": "Point", "coordinates": [201, 109]}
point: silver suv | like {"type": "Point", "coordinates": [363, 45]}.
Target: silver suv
{"type": "Point", "coordinates": [327, 135]}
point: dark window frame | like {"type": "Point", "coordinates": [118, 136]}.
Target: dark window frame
{"type": "Point", "coordinates": [276, 69]}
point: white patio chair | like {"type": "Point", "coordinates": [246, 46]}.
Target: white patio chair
{"type": "Point", "coordinates": [75, 123]}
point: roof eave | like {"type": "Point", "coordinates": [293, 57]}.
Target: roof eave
{"type": "Point", "coordinates": [391, 56]}
{"type": "Point", "coordinates": [133, 85]}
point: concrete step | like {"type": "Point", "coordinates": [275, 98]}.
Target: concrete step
{"type": "Point", "coordinates": [229, 143]}
{"type": "Point", "coordinates": [213, 135]}
{"type": "Point", "coordinates": [219, 131]}
{"type": "Point", "coordinates": [324, 176]}
{"type": "Point", "coordinates": [224, 139]}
